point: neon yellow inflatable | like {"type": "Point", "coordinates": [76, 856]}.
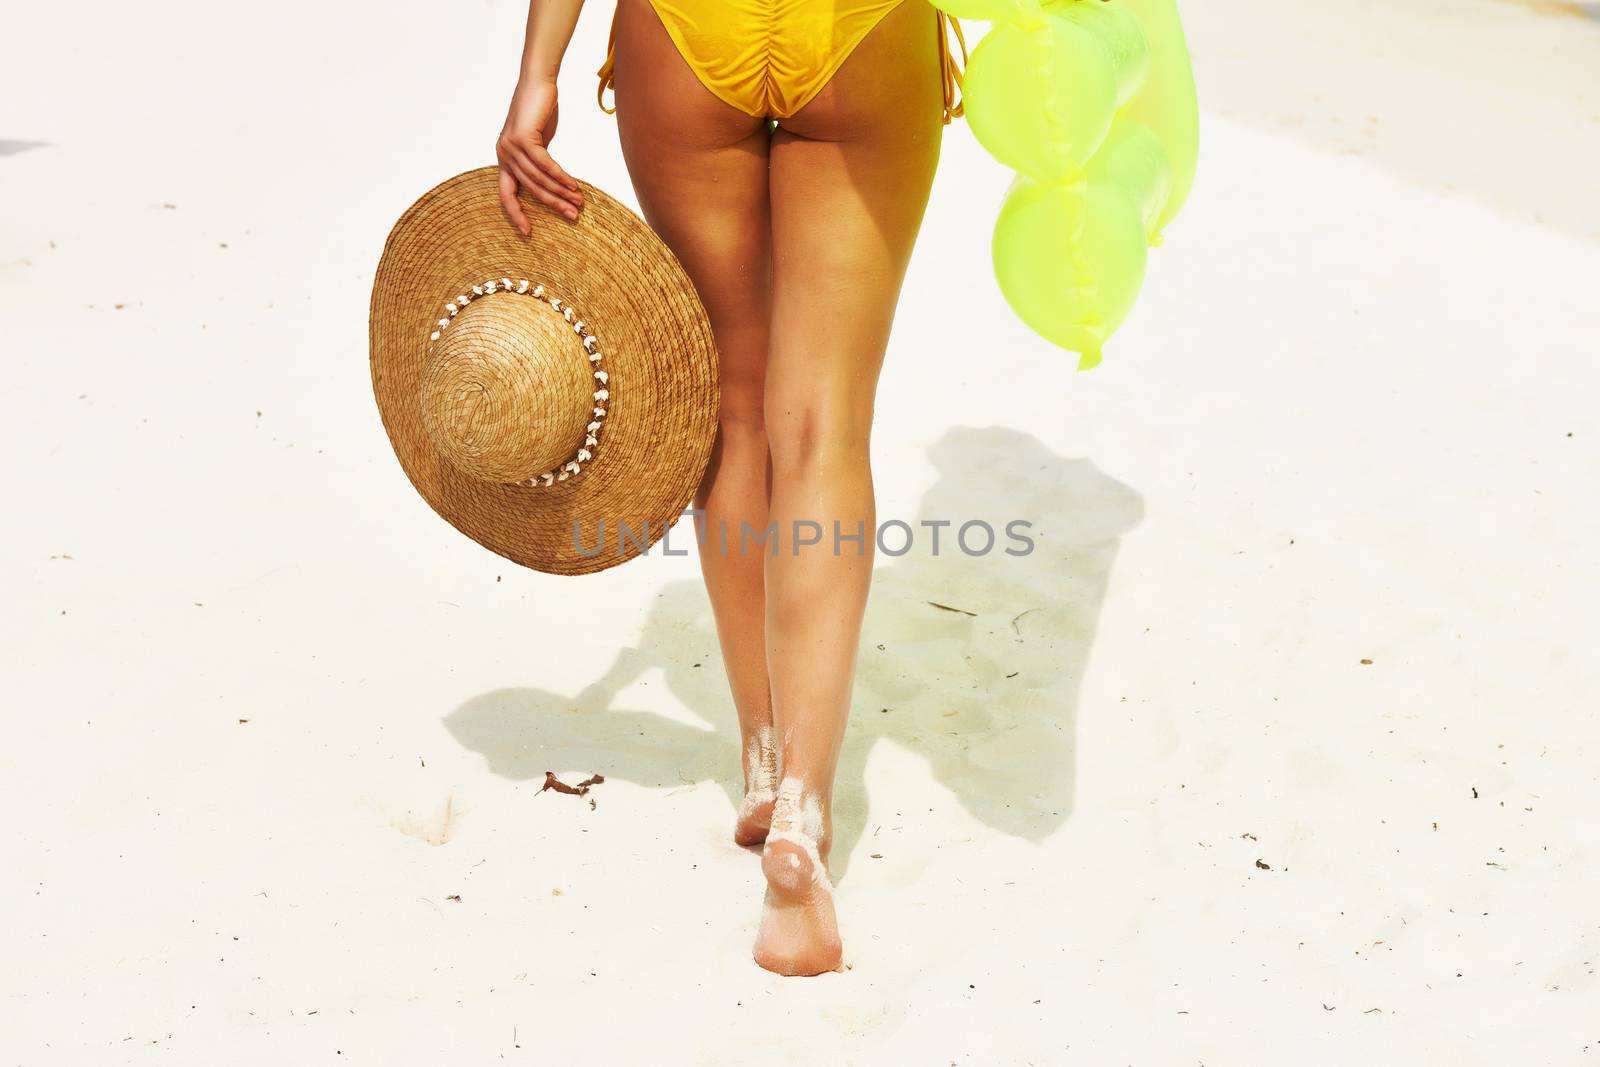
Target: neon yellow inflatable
{"type": "Point", "coordinates": [1092, 102]}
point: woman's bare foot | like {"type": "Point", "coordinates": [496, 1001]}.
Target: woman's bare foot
{"type": "Point", "coordinates": [760, 789]}
{"type": "Point", "coordinates": [799, 932]}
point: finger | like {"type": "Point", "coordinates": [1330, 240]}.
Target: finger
{"type": "Point", "coordinates": [508, 199]}
{"type": "Point", "coordinates": [535, 184]}
{"type": "Point", "coordinates": [542, 155]}
{"type": "Point", "coordinates": [539, 187]}
{"type": "Point", "coordinates": [537, 159]}
{"type": "Point", "coordinates": [536, 177]}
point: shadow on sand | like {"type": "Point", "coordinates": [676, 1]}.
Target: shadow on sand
{"type": "Point", "coordinates": [973, 663]}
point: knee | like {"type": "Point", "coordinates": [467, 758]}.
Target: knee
{"type": "Point", "coordinates": [812, 437]}
{"type": "Point", "coordinates": [742, 416]}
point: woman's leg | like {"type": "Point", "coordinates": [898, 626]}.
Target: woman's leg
{"type": "Point", "coordinates": [699, 168]}
{"type": "Point", "coordinates": [850, 177]}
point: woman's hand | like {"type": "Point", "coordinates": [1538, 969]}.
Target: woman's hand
{"type": "Point", "coordinates": [523, 151]}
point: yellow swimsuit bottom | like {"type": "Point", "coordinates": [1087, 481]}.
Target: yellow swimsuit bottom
{"type": "Point", "coordinates": [768, 58]}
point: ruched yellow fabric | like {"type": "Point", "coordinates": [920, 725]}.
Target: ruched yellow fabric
{"type": "Point", "coordinates": [768, 58]}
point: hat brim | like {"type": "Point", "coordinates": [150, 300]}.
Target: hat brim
{"type": "Point", "coordinates": [656, 340]}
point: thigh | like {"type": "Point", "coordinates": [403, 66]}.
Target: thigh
{"type": "Point", "coordinates": [850, 178]}
{"type": "Point", "coordinates": [699, 169]}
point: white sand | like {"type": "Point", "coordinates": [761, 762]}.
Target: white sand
{"type": "Point", "coordinates": [271, 715]}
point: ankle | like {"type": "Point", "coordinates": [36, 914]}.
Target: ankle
{"type": "Point", "coordinates": [761, 765]}
{"type": "Point", "coordinates": [802, 812]}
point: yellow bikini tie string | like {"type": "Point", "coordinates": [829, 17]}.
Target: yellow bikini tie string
{"type": "Point", "coordinates": [606, 68]}
{"type": "Point", "coordinates": [953, 108]}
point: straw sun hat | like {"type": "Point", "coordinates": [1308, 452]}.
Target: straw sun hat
{"type": "Point", "coordinates": [553, 397]}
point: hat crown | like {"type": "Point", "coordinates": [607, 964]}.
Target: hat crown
{"type": "Point", "coordinates": [506, 390]}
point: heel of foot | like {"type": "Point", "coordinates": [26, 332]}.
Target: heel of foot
{"type": "Point", "coordinates": [798, 935]}
{"type": "Point", "coordinates": [793, 867]}
{"type": "Point", "coordinates": [755, 818]}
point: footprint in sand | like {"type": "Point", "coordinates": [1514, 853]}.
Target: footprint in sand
{"type": "Point", "coordinates": [436, 826]}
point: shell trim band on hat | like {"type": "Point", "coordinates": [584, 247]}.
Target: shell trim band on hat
{"type": "Point", "coordinates": [602, 392]}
